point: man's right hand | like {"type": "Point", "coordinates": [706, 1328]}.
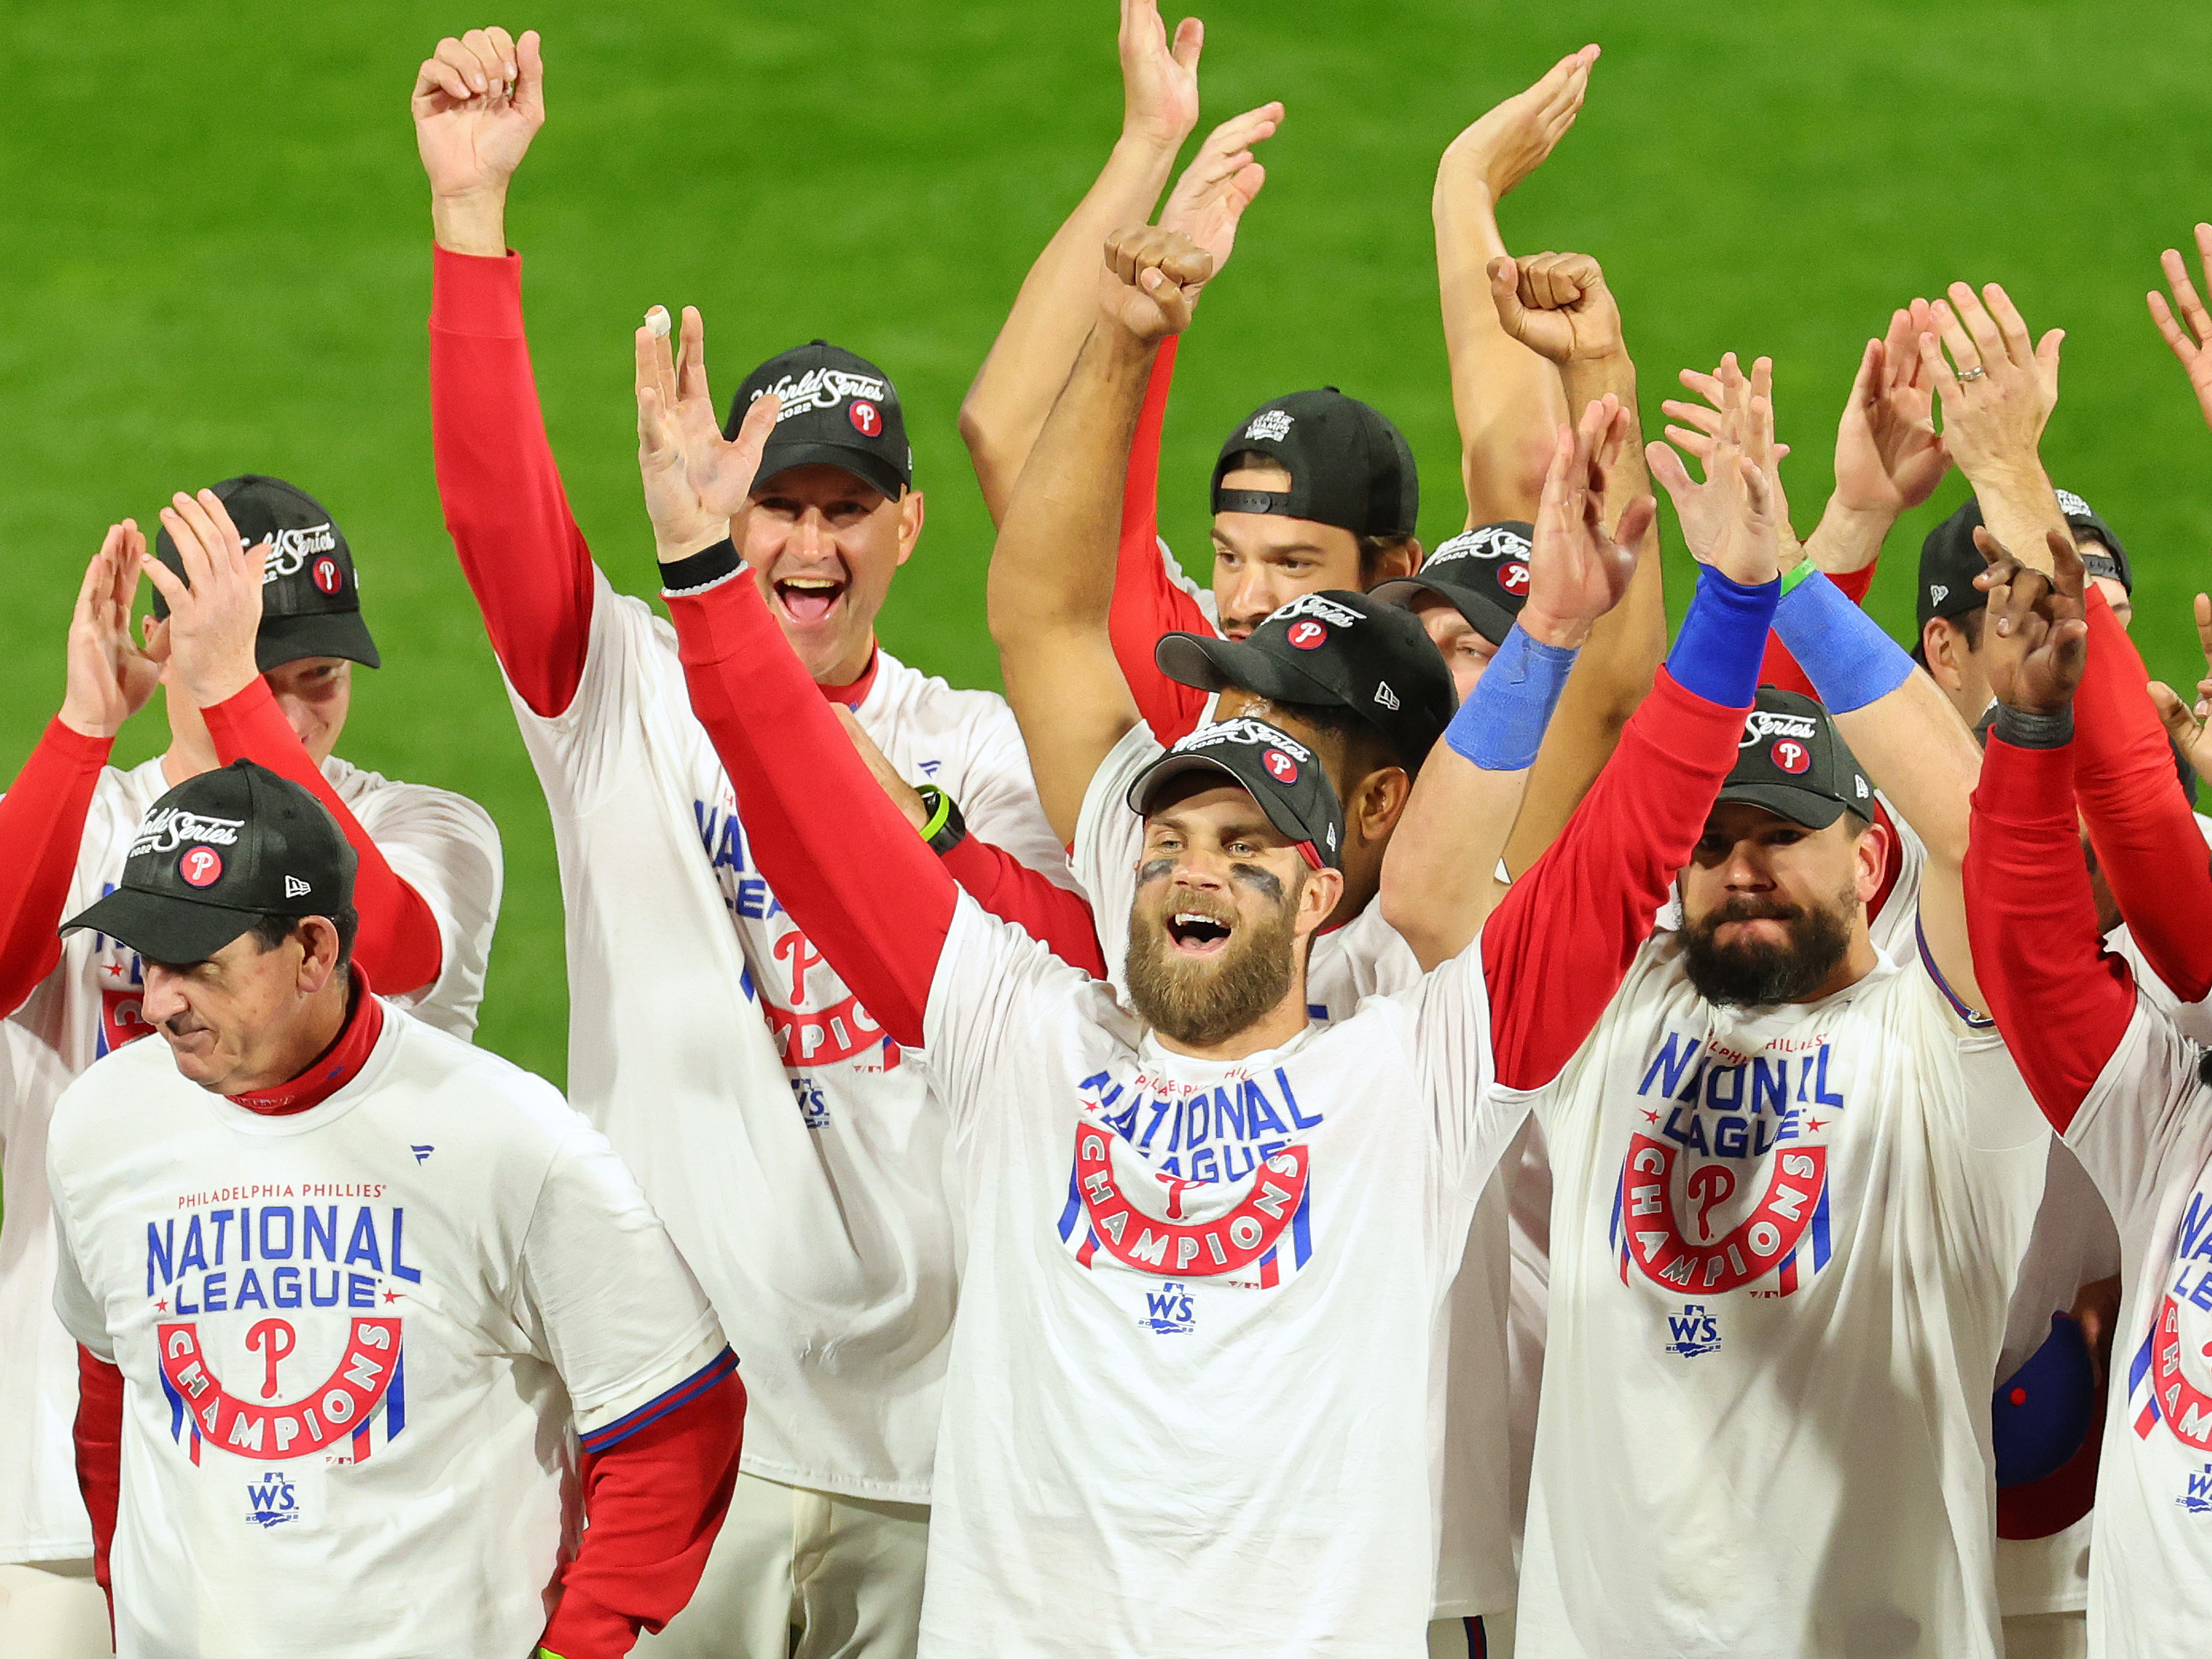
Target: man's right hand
{"type": "Point", "coordinates": [1577, 571]}
{"type": "Point", "coordinates": [1222, 181]}
{"type": "Point", "coordinates": [1558, 306]}
{"type": "Point", "coordinates": [1159, 77]}
{"type": "Point", "coordinates": [478, 102]}
{"type": "Point", "coordinates": [1737, 519]}
{"type": "Point", "coordinates": [2036, 636]}
{"type": "Point", "coordinates": [109, 676]}
{"type": "Point", "coordinates": [696, 480]}
{"type": "Point", "coordinates": [1150, 280]}
{"type": "Point", "coordinates": [1999, 398]}
{"type": "Point", "coordinates": [214, 607]}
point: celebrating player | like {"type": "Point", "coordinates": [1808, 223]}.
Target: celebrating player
{"type": "Point", "coordinates": [802, 1176]}
{"type": "Point", "coordinates": [269, 1445]}
{"type": "Point", "coordinates": [1225, 1146]}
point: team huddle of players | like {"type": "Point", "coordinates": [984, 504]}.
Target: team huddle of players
{"type": "Point", "coordinates": [1118, 1168]}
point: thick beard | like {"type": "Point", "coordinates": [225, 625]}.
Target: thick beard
{"type": "Point", "coordinates": [1202, 1004]}
{"type": "Point", "coordinates": [1758, 975]}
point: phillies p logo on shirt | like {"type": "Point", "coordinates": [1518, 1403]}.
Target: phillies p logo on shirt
{"type": "Point", "coordinates": [200, 865]}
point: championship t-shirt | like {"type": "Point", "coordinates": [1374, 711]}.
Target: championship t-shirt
{"type": "Point", "coordinates": [443, 845]}
{"type": "Point", "coordinates": [1190, 1406]}
{"type": "Point", "coordinates": [1783, 1243]}
{"type": "Point", "coordinates": [2144, 1134]}
{"type": "Point", "coordinates": [354, 1341]}
{"type": "Point", "coordinates": [797, 1154]}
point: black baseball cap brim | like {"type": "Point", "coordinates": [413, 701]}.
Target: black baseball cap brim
{"type": "Point", "coordinates": [1165, 771]}
{"type": "Point", "coordinates": [163, 928]}
{"type": "Point", "coordinates": [1490, 620]}
{"type": "Point", "coordinates": [1805, 806]}
{"type": "Point", "coordinates": [315, 634]}
{"type": "Point", "coordinates": [1215, 665]}
{"type": "Point", "coordinates": [865, 465]}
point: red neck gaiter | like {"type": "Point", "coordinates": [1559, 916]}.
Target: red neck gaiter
{"type": "Point", "coordinates": [334, 1068]}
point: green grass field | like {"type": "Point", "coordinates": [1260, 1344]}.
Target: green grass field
{"type": "Point", "coordinates": [218, 261]}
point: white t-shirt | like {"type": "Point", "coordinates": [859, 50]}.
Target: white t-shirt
{"type": "Point", "coordinates": [2144, 1134]}
{"type": "Point", "coordinates": [1484, 1392]}
{"type": "Point", "coordinates": [1783, 1242]}
{"type": "Point", "coordinates": [354, 1341]}
{"type": "Point", "coordinates": [442, 844]}
{"type": "Point", "coordinates": [1190, 1406]}
{"type": "Point", "coordinates": [802, 1174]}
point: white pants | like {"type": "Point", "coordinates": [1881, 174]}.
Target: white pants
{"type": "Point", "coordinates": [799, 1574]}
{"type": "Point", "coordinates": [1490, 1637]}
{"type": "Point", "coordinates": [2046, 1636]}
{"type": "Point", "coordinates": [52, 1610]}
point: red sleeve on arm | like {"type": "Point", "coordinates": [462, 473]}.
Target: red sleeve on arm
{"type": "Point", "coordinates": [2146, 841]}
{"type": "Point", "coordinates": [839, 856]}
{"type": "Point", "coordinates": [41, 827]}
{"type": "Point", "coordinates": [1780, 668]}
{"type": "Point", "coordinates": [521, 550]}
{"type": "Point", "coordinates": [2062, 1003]}
{"type": "Point", "coordinates": [398, 943]}
{"type": "Point", "coordinates": [99, 1456]}
{"type": "Point", "coordinates": [1057, 919]}
{"type": "Point", "coordinates": [652, 1504]}
{"type": "Point", "coordinates": [1146, 601]}
{"type": "Point", "coordinates": [1554, 951]}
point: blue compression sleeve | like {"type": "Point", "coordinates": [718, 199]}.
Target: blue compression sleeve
{"type": "Point", "coordinates": [1849, 660]}
{"type": "Point", "coordinates": [1722, 640]}
{"type": "Point", "coordinates": [1501, 725]}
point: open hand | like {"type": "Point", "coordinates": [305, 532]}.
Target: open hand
{"type": "Point", "coordinates": [1221, 181]}
{"type": "Point", "coordinates": [696, 480]}
{"type": "Point", "coordinates": [2000, 394]}
{"type": "Point", "coordinates": [2036, 638]}
{"type": "Point", "coordinates": [2192, 344]}
{"type": "Point", "coordinates": [2190, 723]}
{"type": "Point", "coordinates": [1889, 457]}
{"type": "Point", "coordinates": [214, 607]}
{"type": "Point", "coordinates": [1737, 519]}
{"type": "Point", "coordinates": [1150, 280]}
{"type": "Point", "coordinates": [1159, 78]}
{"type": "Point", "coordinates": [1511, 140]}
{"type": "Point", "coordinates": [1558, 306]}
{"type": "Point", "coordinates": [1576, 572]}
{"type": "Point", "coordinates": [109, 676]}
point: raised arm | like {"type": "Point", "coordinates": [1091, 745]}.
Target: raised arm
{"type": "Point", "coordinates": [479, 101]}
{"type": "Point", "coordinates": [213, 612]}
{"type": "Point", "coordinates": [1996, 402]}
{"type": "Point", "coordinates": [839, 855]}
{"type": "Point", "coordinates": [42, 814]}
{"type": "Point", "coordinates": [1051, 584]}
{"type": "Point", "coordinates": [2192, 344]}
{"type": "Point", "coordinates": [1558, 305]}
{"type": "Point", "coordinates": [1438, 884]}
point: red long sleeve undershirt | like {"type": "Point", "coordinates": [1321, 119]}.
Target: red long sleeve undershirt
{"type": "Point", "coordinates": [528, 564]}
{"type": "Point", "coordinates": [1057, 919]}
{"type": "Point", "coordinates": [1146, 601]}
{"type": "Point", "coordinates": [2062, 1000]}
{"type": "Point", "coordinates": [99, 1435]}
{"type": "Point", "coordinates": [397, 942]}
{"type": "Point", "coordinates": [41, 828]}
{"type": "Point", "coordinates": [2146, 838]}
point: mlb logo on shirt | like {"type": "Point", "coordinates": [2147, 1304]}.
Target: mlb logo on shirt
{"type": "Point", "coordinates": [1168, 1311]}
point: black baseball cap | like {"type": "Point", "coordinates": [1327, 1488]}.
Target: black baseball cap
{"type": "Point", "coordinates": [310, 594]}
{"type": "Point", "coordinates": [1281, 773]}
{"type": "Point", "coordinates": [1949, 562]}
{"type": "Point", "coordinates": [215, 855]}
{"type": "Point", "coordinates": [839, 409]}
{"type": "Point", "coordinates": [1483, 574]}
{"type": "Point", "coordinates": [2088, 526]}
{"type": "Point", "coordinates": [1349, 466]}
{"type": "Point", "coordinates": [1338, 648]}
{"type": "Point", "coordinates": [1792, 761]}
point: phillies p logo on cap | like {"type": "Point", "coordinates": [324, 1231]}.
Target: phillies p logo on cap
{"type": "Point", "coordinates": [1790, 756]}
{"type": "Point", "coordinates": [868, 420]}
{"type": "Point", "coordinates": [200, 865]}
{"type": "Point", "coordinates": [1306, 636]}
{"type": "Point", "coordinates": [1514, 578]}
{"type": "Point", "coordinates": [1283, 769]}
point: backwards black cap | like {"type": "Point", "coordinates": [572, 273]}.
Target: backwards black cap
{"type": "Point", "coordinates": [1339, 649]}
{"type": "Point", "coordinates": [1949, 562]}
{"type": "Point", "coordinates": [310, 595]}
{"type": "Point", "coordinates": [839, 409]}
{"type": "Point", "coordinates": [1279, 772]}
{"type": "Point", "coordinates": [215, 855]}
{"type": "Point", "coordinates": [1349, 466]}
{"type": "Point", "coordinates": [1793, 761]}
{"type": "Point", "coordinates": [1483, 573]}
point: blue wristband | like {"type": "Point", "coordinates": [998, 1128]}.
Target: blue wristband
{"type": "Point", "coordinates": [1849, 660]}
{"type": "Point", "coordinates": [1722, 640]}
{"type": "Point", "coordinates": [1501, 725]}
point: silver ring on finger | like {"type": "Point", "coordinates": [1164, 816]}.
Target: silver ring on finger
{"type": "Point", "coordinates": [1974, 373]}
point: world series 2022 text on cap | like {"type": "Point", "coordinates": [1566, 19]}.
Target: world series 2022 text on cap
{"type": "Point", "coordinates": [839, 409]}
{"type": "Point", "coordinates": [1278, 771]}
{"type": "Point", "coordinates": [1794, 763]}
{"type": "Point", "coordinates": [1482, 574]}
{"type": "Point", "coordinates": [310, 592]}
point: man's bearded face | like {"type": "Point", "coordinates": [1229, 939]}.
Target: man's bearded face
{"type": "Point", "coordinates": [1769, 907]}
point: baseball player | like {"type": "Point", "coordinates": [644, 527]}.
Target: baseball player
{"type": "Point", "coordinates": [1189, 1252]}
{"type": "Point", "coordinates": [258, 655]}
{"type": "Point", "coordinates": [2123, 1085]}
{"type": "Point", "coordinates": [797, 1156]}
{"type": "Point", "coordinates": [271, 1444]}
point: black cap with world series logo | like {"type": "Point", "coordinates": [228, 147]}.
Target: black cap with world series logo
{"type": "Point", "coordinates": [839, 409]}
{"type": "Point", "coordinates": [1285, 777]}
{"type": "Point", "coordinates": [1337, 648]}
{"type": "Point", "coordinates": [310, 593]}
{"type": "Point", "coordinates": [1349, 466]}
{"type": "Point", "coordinates": [1482, 573]}
{"type": "Point", "coordinates": [217, 854]}
{"type": "Point", "coordinates": [1793, 761]}
{"type": "Point", "coordinates": [1949, 560]}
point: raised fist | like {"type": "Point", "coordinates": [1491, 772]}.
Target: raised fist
{"type": "Point", "coordinates": [1556, 305]}
{"type": "Point", "coordinates": [1152, 280]}
{"type": "Point", "coordinates": [478, 102]}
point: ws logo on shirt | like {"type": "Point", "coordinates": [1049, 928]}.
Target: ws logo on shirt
{"type": "Point", "coordinates": [1169, 1312]}
{"type": "Point", "coordinates": [1726, 1180]}
{"type": "Point", "coordinates": [1694, 1331]}
{"type": "Point", "coordinates": [2170, 1375]}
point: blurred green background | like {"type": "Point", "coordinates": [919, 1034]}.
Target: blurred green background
{"type": "Point", "coordinates": [217, 260]}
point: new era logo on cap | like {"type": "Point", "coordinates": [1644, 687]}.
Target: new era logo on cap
{"type": "Point", "coordinates": [295, 888]}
